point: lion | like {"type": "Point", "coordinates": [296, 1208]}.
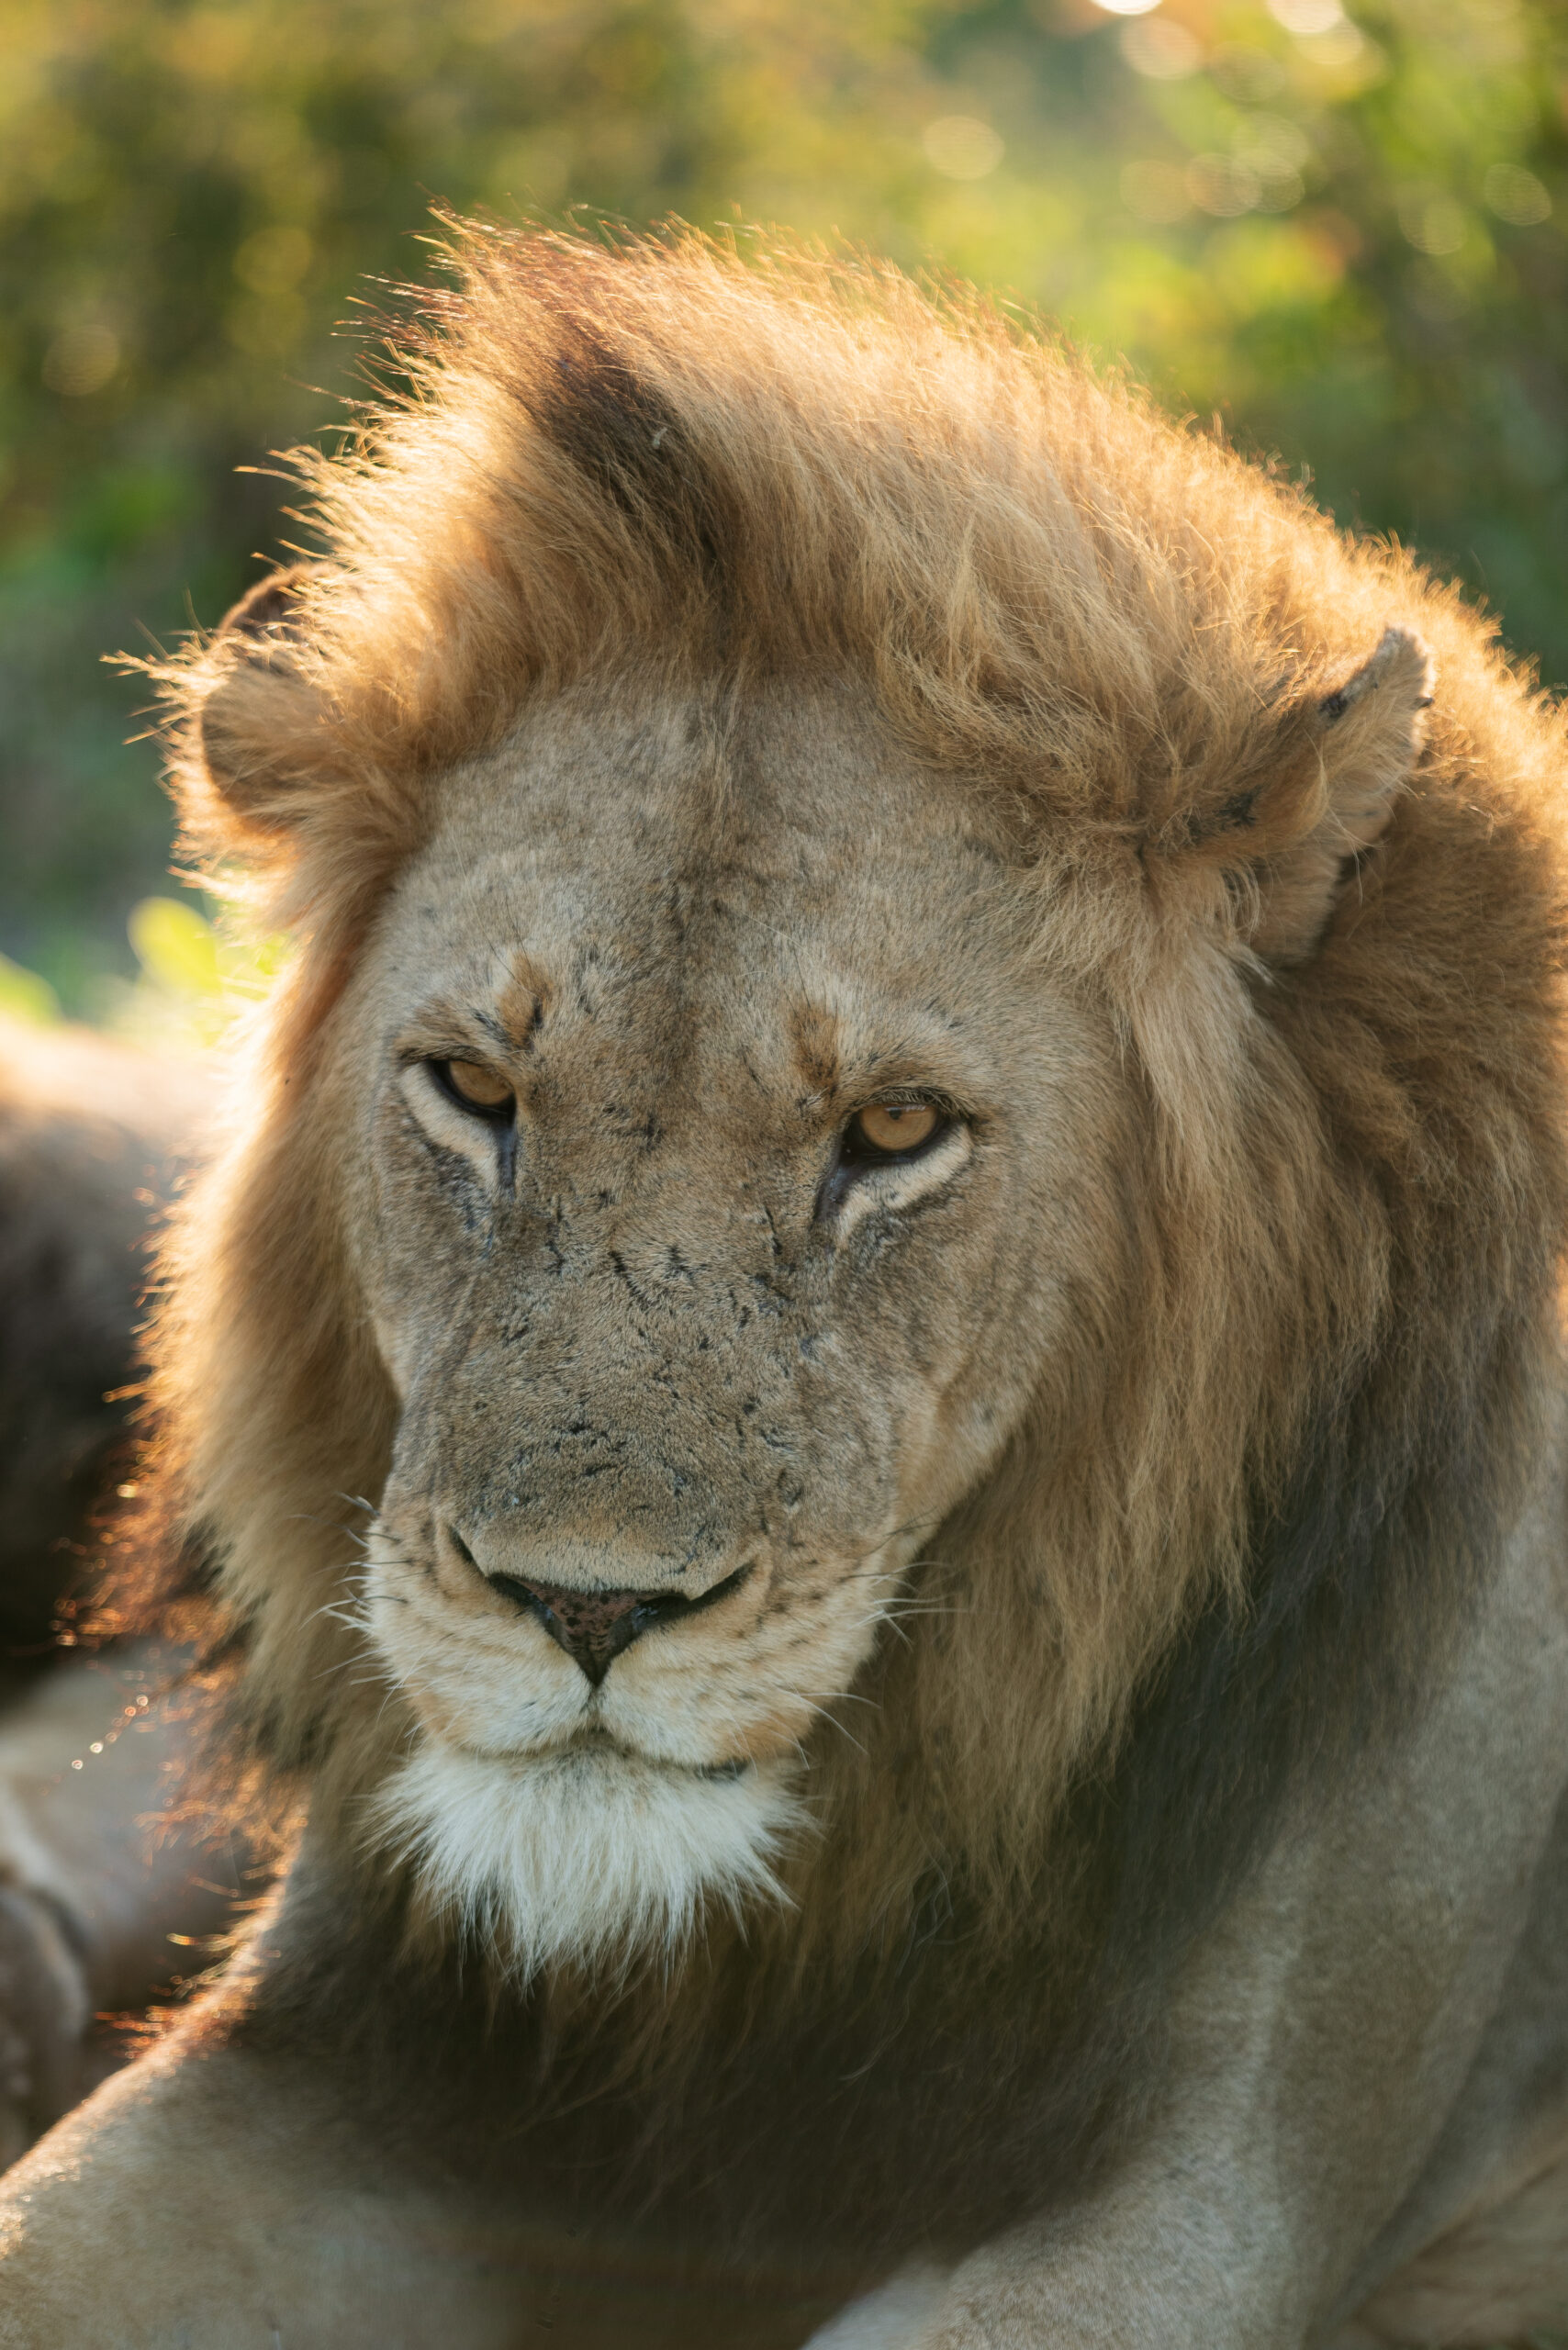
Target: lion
{"type": "Point", "coordinates": [91, 1133]}
{"type": "Point", "coordinates": [92, 1136]}
{"type": "Point", "coordinates": [871, 1394]}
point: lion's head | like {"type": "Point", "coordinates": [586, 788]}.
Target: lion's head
{"type": "Point", "coordinates": [896, 1104]}
{"type": "Point", "coordinates": [712, 1087]}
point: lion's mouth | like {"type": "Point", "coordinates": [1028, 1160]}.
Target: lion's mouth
{"type": "Point", "coordinates": [585, 1743]}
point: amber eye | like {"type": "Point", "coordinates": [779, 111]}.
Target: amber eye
{"type": "Point", "coordinates": [893, 1127]}
{"type": "Point", "coordinates": [473, 1086]}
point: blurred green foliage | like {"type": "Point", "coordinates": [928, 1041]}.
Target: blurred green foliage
{"type": "Point", "coordinates": [1345, 238]}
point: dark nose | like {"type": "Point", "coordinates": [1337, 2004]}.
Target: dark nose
{"type": "Point", "coordinates": [594, 1627]}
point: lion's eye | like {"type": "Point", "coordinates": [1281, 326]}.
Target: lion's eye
{"type": "Point", "coordinates": [484, 1091]}
{"type": "Point", "coordinates": [890, 1129]}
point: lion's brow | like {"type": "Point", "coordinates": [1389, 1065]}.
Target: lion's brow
{"type": "Point", "coordinates": [814, 1038]}
{"type": "Point", "coordinates": [522, 1005]}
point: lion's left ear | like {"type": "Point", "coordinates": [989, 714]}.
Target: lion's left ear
{"type": "Point", "coordinates": [256, 732]}
{"type": "Point", "coordinates": [1338, 768]}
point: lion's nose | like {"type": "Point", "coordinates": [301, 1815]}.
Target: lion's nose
{"type": "Point", "coordinates": [595, 1627]}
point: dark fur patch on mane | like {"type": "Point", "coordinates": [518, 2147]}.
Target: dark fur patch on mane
{"type": "Point", "coordinates": [617, 429]}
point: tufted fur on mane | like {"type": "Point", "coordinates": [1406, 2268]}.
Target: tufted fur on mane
{"type": "Point", "coordinates": [1329, 922]}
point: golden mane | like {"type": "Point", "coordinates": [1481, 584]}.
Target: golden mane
{"type": "Point", "coordinates": [1334, 1259]}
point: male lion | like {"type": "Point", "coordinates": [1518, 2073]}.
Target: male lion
{"type": "Point", "coordinates": [915, 1161]}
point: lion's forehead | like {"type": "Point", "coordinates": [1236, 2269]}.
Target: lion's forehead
{"type": "Point", "coordinates": [656, 888]}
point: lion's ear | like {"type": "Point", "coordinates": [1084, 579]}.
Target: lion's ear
{"type": "Point", "coordinates": [1337, 770]}
{"type": "Point", "coordinates": [256, 721]}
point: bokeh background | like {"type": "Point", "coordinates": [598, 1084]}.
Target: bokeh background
{"type": "Point", "coordinates": [1345, 236]}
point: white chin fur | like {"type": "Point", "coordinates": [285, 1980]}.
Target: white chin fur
{"type": "Point", "coordinates": [590, 1855]}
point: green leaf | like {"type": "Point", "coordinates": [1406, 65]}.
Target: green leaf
{"type": "Point", "coordinates": [24, 996]}
{"type": "Point", "coordinates": [176, 948]}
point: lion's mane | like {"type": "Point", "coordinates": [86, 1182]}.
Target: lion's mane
{"type": "Point", "coordinates": [1244, 1523]}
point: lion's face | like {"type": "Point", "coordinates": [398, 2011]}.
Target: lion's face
{"type": "Point", "coordinates": [727, 1170]}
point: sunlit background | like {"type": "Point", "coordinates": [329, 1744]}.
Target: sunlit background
{"type": "Point", "coordinates": [1341, 235]}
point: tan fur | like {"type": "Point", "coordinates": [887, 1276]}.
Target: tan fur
{"type": "Point", "coordinates": [1495, 2279]}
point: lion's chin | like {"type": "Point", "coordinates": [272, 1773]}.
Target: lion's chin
{"type": "Point", "coordinates": [588, 1856]}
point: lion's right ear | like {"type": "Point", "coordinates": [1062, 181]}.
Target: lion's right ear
{"type": "Point", "coordinates": [257, 720]}
{"type": "Point", "coordinates": [1326, 778]}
